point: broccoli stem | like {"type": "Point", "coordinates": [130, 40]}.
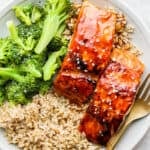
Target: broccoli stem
{"type": "Point", "coordinates": [20, 14]}
{"type": "Point", "coordinates": [50, 28]}
{"type": "Point", "coordinates": [2, 49]}
{"type": "Point", "coordinates": [55, 19]}
{"type": "Point", "coordinates": [36, 15]}
{"type": "Point", "coordinates": [61, 30]}
{"type": "Point", "coordinates": [31, 69]}
{"type": "Point", "coordinates": [53, 63]}
{"type": "Point", "coordinates": [2, 97]}
{"type": "Point", "coordinates": [3, 81]}
{"type": "Point", "coordinates": [29, 42]}
{"type": "Point", "coordinates": [14, 34]}
{"type": "Point", "coordinates": [11, 74]}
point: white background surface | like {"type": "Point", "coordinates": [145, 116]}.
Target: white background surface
{"type": "Point", "coordinates": [142, 9]}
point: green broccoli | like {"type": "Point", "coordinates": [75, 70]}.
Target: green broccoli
{"type": "Point", "coordinates": [33, 65]}
{"type": "Point", "coordinates": [26, 44]}
{"type": "Point", "coordinates": [2, 96]}
{"type": "Point", "coordinates": [22, 88]}
{"type": "Point", "coordinates": [44, 86]}
{"type": "Point", "coordinates": [28, 14]}
{"type": "Point", "coordinates": [8, 51]}
{"type": "Point", "coordinates": [11, 53]}
{"type": "Point", "coordinates": [23, 13]}
{"type": "Point", "coordinates": [36, 14]}
{"type": "Point", "coordinates": [53, 63]}
{"type": "Point", "coordinates": [21, 93]}
{"type": "Point", "coordinates": [34, 30]}
{"type": "Point", "coordinates": [25, 68]}
{"type": "Point", "coordinates": [30, 85]}
{"type": "Point", "coordinates": [11, 73]}
{"type": "Point", "coordinates": [56, 43]}
{"type": "Point", "coordinates": [14, 94]}
{"type": "Point", "coordinates": [3, 47]}
{"type": "Point", "coordinates": [57, 13]}
{"type": "Point", "coordinates": [3, 81]}
{"type": "Point", "coordinates": [20, 44]}
{"type": "Point", "coordinates": [17, 75]}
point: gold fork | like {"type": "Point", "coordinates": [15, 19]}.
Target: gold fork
{"type": "Point", "coordinates": [140, 109]}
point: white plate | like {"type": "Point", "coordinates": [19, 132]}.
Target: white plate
{"type": "Point", "coordinates": [140, 38]}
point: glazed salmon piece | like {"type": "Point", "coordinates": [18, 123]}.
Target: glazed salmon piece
{"type": "Point", "coordinates": [91, 43]}
{"type": "Point", "coordinates": [113, 97]}
{"type": "Point", "coordinates": [76, 86]}
{"type": "Point", "coordinates": [88, 54]}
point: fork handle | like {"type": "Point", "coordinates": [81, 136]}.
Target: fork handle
{"type": "Point", "coordinates": [115, 138]}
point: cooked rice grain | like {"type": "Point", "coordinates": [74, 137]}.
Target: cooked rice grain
{"type": "Point", "coordinates": [49, 122]}
{"type": "Point", "coordinates": [122, 39]}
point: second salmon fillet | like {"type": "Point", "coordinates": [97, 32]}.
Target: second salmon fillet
{"type": "Point", "coordinates": [113, 97]}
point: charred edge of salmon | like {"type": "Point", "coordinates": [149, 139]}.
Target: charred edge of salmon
{"type": "Point", "coordinates": [76, 86]}
{"type": "Point", "coordinates": [114, 95]}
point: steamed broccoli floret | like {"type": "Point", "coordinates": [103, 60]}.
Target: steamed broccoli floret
{"type": "Point", "coordinates": [36, 14]}
{"type": "Point", "coordinates": [14, 94]}
{"type": "Point", "coordinates": [2, 95]}
{"type": "Point", "coordinates": [30, 85]}
{"type": "Point", "coordinates": [23, 13]}
{"type": "Point", "coordinates": [22, 92]}
{"type": "Point", "coordinates": [27, 81]}
{"type": "Point", "coordinates": [3, 81]}
{"type": "Point", "coordinates": [28, 14]}
{"type": "Point", "coordinates": [9, 52]}
{"type": "Point", "coordinates": [53, 63]}
{"type": "Point", "coordinates": [23, 89]}
{"type": "Point", "coordinates": [44, 86]}
{"type": "Point", "coordinates": [11, 73]}
{"type": "Point", "coordinates": [57, 12]}
{"type": "Point", "coordinates": [26, 44]}
{"type": "Point", "coordinates": [4, 44]}
{"type": "Point", "coordinates": [25, 78]}
{"type": "Point", "coordinates": [34, 30]}
{"type": "Point", "coordinates": [56, 43]}
{"type": "Point", "coordinates": [33, 65]}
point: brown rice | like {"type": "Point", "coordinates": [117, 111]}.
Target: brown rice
{"type": "Point", "coordinates": [49, 122]}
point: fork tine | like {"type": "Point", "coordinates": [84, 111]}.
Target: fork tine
{"type": "Point", "coordinates": [142, 86]}
{"type": "Point", "coordinates": [148, 98]}
{"type": "Point", "coordinates": [145, 93]}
